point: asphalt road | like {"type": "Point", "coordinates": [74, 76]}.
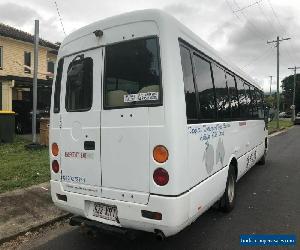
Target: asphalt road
{"type": "Point", "coordinates": [268, 202]}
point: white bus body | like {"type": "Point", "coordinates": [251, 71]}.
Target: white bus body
{"type": "Point", "coordinates": [120, 91]}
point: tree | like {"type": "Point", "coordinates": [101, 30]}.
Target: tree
{"type": "Point", "coordinates": [270, 101]}
{"type": "Point", "coordinates": [288, 89]}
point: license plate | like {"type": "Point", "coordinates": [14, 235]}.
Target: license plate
{"type": "Point", "coordinates": [105, 211]}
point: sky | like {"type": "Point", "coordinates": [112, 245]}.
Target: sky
{"type": "Point", "coordinates": [238, 29]}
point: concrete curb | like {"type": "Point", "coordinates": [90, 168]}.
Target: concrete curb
{"type": "Point", "coordinates": [280, 131]}
{"type": "Point", "coordinates": [35, 228]}
{"type": "Point", "coordinates": [26, 210]}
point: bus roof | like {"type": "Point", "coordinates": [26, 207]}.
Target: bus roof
{"type": "Point", "coordinates": [161, 19]}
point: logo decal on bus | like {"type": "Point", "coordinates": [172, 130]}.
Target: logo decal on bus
{"type": "Point", "coordinates": [79, 155]}
{"type": "Point", "coordinates": [212, 156]}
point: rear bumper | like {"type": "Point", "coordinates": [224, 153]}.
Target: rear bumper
{"type": "Point", "coordinates": [175, 212]}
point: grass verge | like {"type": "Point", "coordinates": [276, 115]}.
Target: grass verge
{"type": "Point", "coordinates": [20, 167]}
{"type": "Point", "coordinates": [282, 125]}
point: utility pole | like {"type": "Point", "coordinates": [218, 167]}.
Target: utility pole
{"type": "Point", "coordinates": [271, 85]}
{"type": "Point", "coordinates": [35, 71]}
{"type": "Point", "coordinates": [277, 41]}
{"type": "Point", "coordinates": [293, 107]}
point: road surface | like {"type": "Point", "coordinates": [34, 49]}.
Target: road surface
{"type": "Point", "coordinates": [268, 202]}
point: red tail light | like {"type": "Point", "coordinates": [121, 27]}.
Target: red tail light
{"type": "Point", "coordinates": [55, 166]}
{"type": "Point", "coordinates": [161, 176]}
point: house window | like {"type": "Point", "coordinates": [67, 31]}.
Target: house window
{"type": "Point", "coordinates": [27, 62]}
{"type": "Point", "coordinates": [1, 57]}
{"type": "Point", "coordinates": [50, 67]}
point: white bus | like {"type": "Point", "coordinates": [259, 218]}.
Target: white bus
{"type": "Point", "coordinates": [149, 125]}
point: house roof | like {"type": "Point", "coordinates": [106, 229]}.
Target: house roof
{"type": "Point", "coordinates": [11, 32]}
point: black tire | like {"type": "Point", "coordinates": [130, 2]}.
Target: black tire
{"type": "Point", "coordinates": [262, 160]}
{"type": "Point", "coordinates": [227, 201]}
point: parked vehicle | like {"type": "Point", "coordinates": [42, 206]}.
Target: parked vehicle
{"type": "Point", "coordinates": [285, 115]}
{"type": "Point", "coordinates": [297, 118]}
{"type": "Point", "coordinates": [142, 133]}
{"type": "Point", "coordinates": [23, 118]}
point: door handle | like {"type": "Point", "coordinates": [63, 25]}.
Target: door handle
{"type": "Point", "coordinates": [89, 145]}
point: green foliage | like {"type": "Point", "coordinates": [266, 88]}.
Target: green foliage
{"type": "Point", "coordinates": [282, 124]}
{"type": "Point", "coordinates": [270, 101]}
{"type": "Point", "coordinates": [287, 91]}
{"type": "Point", "coordinates": [20, 167]}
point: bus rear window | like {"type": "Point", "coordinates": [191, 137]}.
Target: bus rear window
{"type": "Point", "coordinates": [132, 74]}
{"type": "Point", "coordinates": [79, 87]}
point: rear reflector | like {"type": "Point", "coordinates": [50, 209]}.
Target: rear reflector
{"type": "Point", "coordinates": [151, 215]}
{"type": "Point", "coordinates": [160, 154]}
{"type": "Point", "coordinates": [55, 149]}
{"type": "Point", "coordinates": [55, 166]}
{"type": "Point", "coordinates": [161, 176]}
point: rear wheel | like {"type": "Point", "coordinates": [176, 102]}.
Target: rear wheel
{"type": "Point", "coordinates": [262, 160]}
{"type": "Point", "coordinates": [228, 199]}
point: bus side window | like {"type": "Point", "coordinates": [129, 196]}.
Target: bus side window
{"type": "Point", "coordinates": [248, 101]}
{"type": "Point", "coordinates": [189, 87]}
{"type": "Point", "coordinates": [242, 99]}
{"type": "Point", "coordinates": [254, 102]}
{"type": "Point", "coordinates": [57, 85]}
{"type": "Point", "coordinates": [233, 96]}
{"type": "Point", "coordinates": [221, 90]}
{"type": "Point", "coordinates": [260, 104]}
{"type": "Point", "coordinates": [205, 89]}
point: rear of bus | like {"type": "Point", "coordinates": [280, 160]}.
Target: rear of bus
{"type": "Point", "coordinates": [110, 150]}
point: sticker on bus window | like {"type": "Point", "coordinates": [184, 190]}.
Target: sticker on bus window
{"type": "Point", "coordinates": [140, 97]}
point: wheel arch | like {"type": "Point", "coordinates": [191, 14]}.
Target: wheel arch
{"type": "Point", "coordinates": [233, 163]}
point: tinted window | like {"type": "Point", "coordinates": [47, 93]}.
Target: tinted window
{"type": "Point", "coordinates": [260, 104]}
{"type": "Point", "coordinates": [56, 106]}
{"type": "Point", "coordinates": [242, 98]}
{"type": "Point", "coordinates": [233, 96]}
{"type": "Point", "coordinates": [205, 89]}
{"type": "Point", "coordinates": [50, 67]}
{"type": "Point", "coordinates": [27, 62]}
{"type": "Point", "coordinates": [132, 74]}
{"type": "Point", "coordinates": [79, 87]}
{"type": "Point", "coordinates": [254, 102]}
{"type": "Point", "coordinates": [221, 91]}
{"type": "Point", "coordinates": [189, 87]}
{"type": "Point", "coordinates": [248, 101]}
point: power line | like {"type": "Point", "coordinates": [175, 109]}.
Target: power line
{"type": "Point", "coordinates": [267, 52]}
{"type": "Point", "coordinates": [248, 6]}
{"type": "Point", "coordinates": [250, 22]}
{"type": "Point", "coordinates": [60, 18]}
{"type": "Point", "coordinates": [268, 20]}
{"type": "Point", "coordinates": [242, 22]}
{"type": "Point", "coordinates": [253, 30]}
{"type": "Point", "coordinates": [283, 31]}
{"type": "Point", "coordinates": [274, 13]}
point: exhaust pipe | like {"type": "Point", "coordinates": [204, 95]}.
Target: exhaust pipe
{"type": "Point", "coordinates": [159, 235]}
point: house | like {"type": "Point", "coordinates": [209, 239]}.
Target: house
{"type": "Point", "coordinates": [16, 67]}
